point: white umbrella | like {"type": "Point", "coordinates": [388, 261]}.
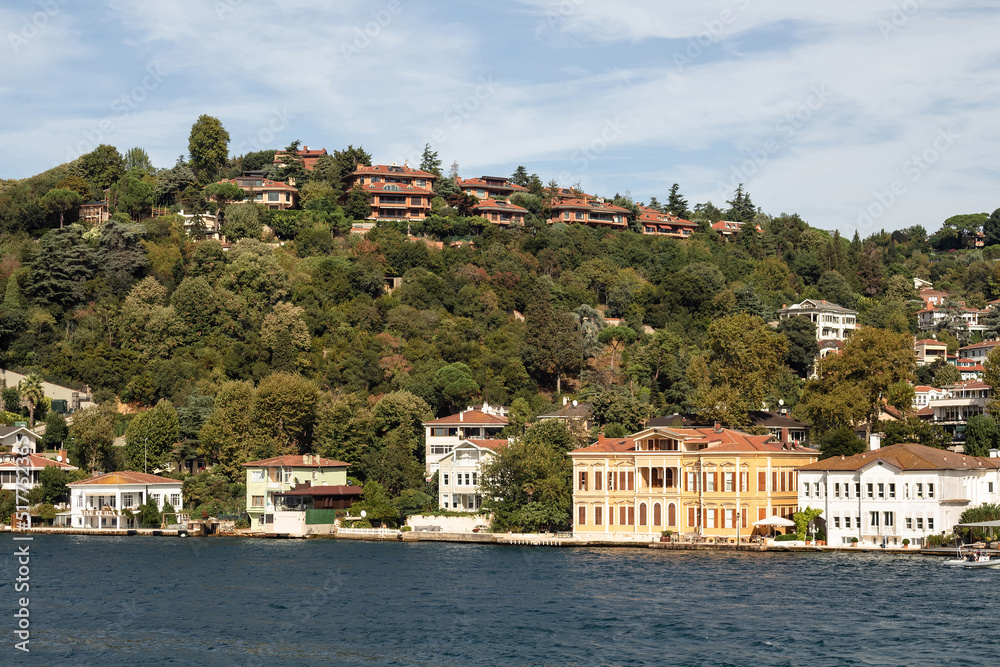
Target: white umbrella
{"type": "Point", "coordinates": [774, 521]}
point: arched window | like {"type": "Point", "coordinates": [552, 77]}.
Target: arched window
{"type": "Point", "coordinates": [671, 515]}
{"type": "Point", "coordinates": [642, 514]}
{"type": "Point", "coordinates": [657, 515]}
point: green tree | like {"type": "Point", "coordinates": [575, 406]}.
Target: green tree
{"type": "Point", "coordinates": [676, 204]}
{"type": "Point", "coordinates": [841, 441]}
{"type": "Point", "coordinates": [430, 162]}
{"type": "Point", "coordinates": [208, 146]}
{"type": "Point", "coordinates": [853, 386]}
{"type": "Point", "coordinates": [744, 361]}
{"type": "Point", "coordinates": [242, 221]}
{"type": "Point", "coordinates": [456, 384]}
{"type": "Point", "coordinates": [377, 505]}
{"type": "Point", "coordinates": [53, 479]}
{"type": "Point", "coordinates": [285, 414]}
{"type": "Point", "coordinates": [101, 167]}
{"type": "Point", "coordinates": [32, 393]}
{"type": "Point", "coordinates": [527, 486]}
{"type": "Point", "coordinates": [553, 345]}
{"type": "Point", "coordinates": [136, 159]}
{"type": "Point", "coordinates": [151, 436]}
{"type": "Point", "coordinates": [802, 520]}
{"type": "Point", "coordinates": [293, 170]}
{"type": "Point", "coordinates": [616, 336]}
{"type": "Point", "coordinates": [56, 431]}
{"type": "Point", "coordinates": [228, 436]}
{"type": "Point", "coordinates": [131, 194]}
{"type": "Point", "coordinates": [914, 429]}
{"type": "Point", "coordinates": [981, 435]}
{"type": "Point", "coordinates": [60, 201]}
{"type": "Point", "coordinates": [357, 206]}
{"type": "Point", "coordinates": [991, 228]}
{"type": "Point", "coordinates": [92, 433]}
{"type": "Point", "coordinates": [800, 331]}
{"type": "Point", "coordinates": [741, 208]}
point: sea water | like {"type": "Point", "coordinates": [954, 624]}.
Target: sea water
{"type": "Point", "coordinates": [225, 601]}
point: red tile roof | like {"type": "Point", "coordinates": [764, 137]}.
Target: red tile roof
{"type": "Point", "coordinates": [398, 187]}
{"type": "Point", "coordinates": [36, 461]}
{"type": "Point", "coordinates": [323, 491]}
{"type": "Point", "coordinates": [471, 417]}
{"type": "Point", "coordinates": [126, 477]}
{"type": "Point", "coordinates": [266, 184]}
{"type": "Point", "coordinates": [392, 170]}
{"type": "Point", "coordinates": [486, 182]}
{"type": "Point", "coordinates": [490, 444]}
{"type": "Point", "coordinates": [494, 205]}
{"type": "Point", "coordinates": [904, 456]}
{"type": "Point", "coordinates": [725, 440]}
{"type": "Point", "coordinates": [296, 461]}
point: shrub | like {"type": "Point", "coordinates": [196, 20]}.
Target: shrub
{"type": "Point", "coordinates": [406, 529]}
{"type": "Point", "coordinates": [242, 524]}
{"type": "Point", "coordinates": [854, 540]}
{"type": "Point", "coordinates": [906, 542]}
{"type": "Point", "coordinates": [786, 538]}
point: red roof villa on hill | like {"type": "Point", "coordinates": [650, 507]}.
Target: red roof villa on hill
{"type": "Point", "coordinates": [395, 192]}
{"type": "Point", "coordinates": [309, 157]}
{"type": "Point", "coordinates": [488, 187]}
{"type": "Point", "coordinates": [443, 435]}
{"type": "Point", "coordinates": [665, 224]}
{"type": "Point", "coordinates": [275, 195]}
{"type": "Point", "coordinates": [500, 212]}
{"type": "Point", "coordinates": [593, 212]}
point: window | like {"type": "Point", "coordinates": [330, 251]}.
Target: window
{"type": "Point", "coordinates": [744, 482]}
{"type": "Point", "coordinates": [836, 522]}
{"type": "Point", "coordinates": [892, 490]}
{"type": "Point", "coordinates": [857, 489]}
{"type": "Point", "coordinates": [920, 490]}
{"type": "Point", "coordinates": [259, 197]}
{"type": "Point", "coordinates": [930, 523]}
{"type": "Point", "coordinates": [710, 519]}
{"type": "Point", "coordinates": [79, 501]}
{"type": "Point", "coordinates": [444, 478]}
{"type": "Point", "coordinates": [906, 490]}
{"type": "Point", "coordinates": [729, 518]}
{"type": "Point", "coordinates": [175, 500]}
{"type": "Point", "coordinates": [475, 478]}
{"type": "Point", "coordinates": [582, 518]}
{"type": "Point", "coordinates": [468, 479]}
{"type": "Point", "coordinates": [888, 519]}
{"type": "Point", "coordinates": [286, 476]}
{"type": "Point", "coordinates": [909, 523]}
{"type": "Point", "coordinates": [920, 523]}
{"type": "Point", "coordinates": [598, 478]}
{"type": "Point", "coordinates": [710, 481]}
{"type": "Point", "coordinates": [805, 489]}
{"type": "Point", "coordinates": [730, 481]}
{"type": "Point", "coordinates": [257, 501]}
{"type": "Point", "coordinates": [438, 432]}
{"type": "Point", "coordinates": [881, 490]}
{"type": "Point", "coordinates": [989, 487]}
{"type": "Point", "coordinates": [444, 500]}
{"type": "Point", "coordinates": [836, 490]}
{"type": "Point", "coordinates": [692, 481]}
{"type": "Point", "coordinates": [598, 512]}
{"type": "Point", "coordinates": [873, 519]}
{"type": "Point", "coordinates": [611, 481]}
{"type": "Point", "coordinates": [272, 196]}
{"type": "Point", "coordinates": [871, 490]}
{"type": "Point", "coordinates": [258, 476]}
{"type": "Point", "coordinates": [816, 489]}
{"type": "Point", "coordinates": [847, 522]}
{"type": "Point", "coordinates": [156, 499]}
{"type": "Point", "coordinates": [930, 490]}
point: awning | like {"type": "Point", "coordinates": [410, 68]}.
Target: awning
{"type": "Point", "coordinates": [980, 524]}
{"type": "Point", "coordinates": [774, 521]}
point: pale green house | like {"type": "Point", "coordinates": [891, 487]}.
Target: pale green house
{"type": "Point", "coordinates": [280, 489]}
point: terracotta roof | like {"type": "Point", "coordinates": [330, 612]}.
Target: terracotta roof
{"type": "Point", "coordinates": [923, 387]}
{"type": "Point", "coordinates": [588, 204]}
{"type": "Point", "coordinates": [296, 461]}
{"type": "Point", "coordinates": [324, 491]}
{"type": "Point", "coordinates": [570, 411]}
{"type": "Point", "coordinates": [396, 187]}
{"type": "Point", "coordinates": [486, 182]}
{"type": "Point", "coordinates": [976, 346]}
{"type": "Point", "coordinates": [925, 411]}
{"type": "Point", "coordinates": [904, 456]}
{"type": "Point", "coordinates": [499, 206]}
{"type": "Point", "coordinates": [126, 477]}
{"type": "Point", "coordinates": [766, 418]}
{"type": "Point", "coordinates": [490, 444]}
{"type": "Point", "coordinates": [611, 445]}
{"type": "Point", "coordinates": [36, 461]}
{"type": "Point", "coordinates": [471, 417]}
{"type": "Point", "coordinates": [724, 440]}
{"type": "Point", "coordinates": [266, 184]}
{"type": "Point", "coordinates": [392, 170]}
{"type": "Point", "coordinates": [929, 341]}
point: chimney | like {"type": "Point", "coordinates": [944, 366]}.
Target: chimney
{"type": "Point", "coordinates": [65, 455]}
{"type": "Point", "coordinates": [784, 434]}
{"type": "Point", "coordinates": [307, 459]}
{"type": "Point", "coordinates": [718, 427]}
{"type": "Point", "coordinates": [461, 416]}
{"type": "Point", "coordinates": [874, 441]}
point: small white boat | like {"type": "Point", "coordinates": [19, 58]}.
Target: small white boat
{"type": "Point", "coordinates": [985, 561]}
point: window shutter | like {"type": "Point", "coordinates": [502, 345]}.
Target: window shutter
{"type": "Point", "coordinates": [761, 482]}
{"type": "Point", "coordinates": [631, 481]}
{"type": "Point", "coordinates": [743, 518]}
{"type": "Point", "coordinates": [583, 515]}
{"type": "Point", "coordinates": [715, 481]}
{"type": "Point", "coordinates": [691, 523]}
{"type": "Point", "coordinates": [704, 480]}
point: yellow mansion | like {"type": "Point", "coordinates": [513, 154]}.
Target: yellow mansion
{"type": "Point", "coordinates": [705, 481]}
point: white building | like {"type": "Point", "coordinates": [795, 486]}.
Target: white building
{"type": "Point", "coordinates": [19, 437]}
{"type": "Point", "coordinates": [443, 435]}
{"type": "Point", "coordinates": [10, 466]}
{"type": "Point", "coordinates": [832, 322]}
{"type": "Point", "coordinates": [459, 473]}
{"type": "Point", "coordinates": [962, 401]}
{"type": "Point", "coordinates": [923, 395]}
{"type": "Point", "coordinates": [101, 501]}
{"type": "Point", "coordinates": [904, 491]}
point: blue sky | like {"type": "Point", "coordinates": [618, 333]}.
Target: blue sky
{"type": "Point", "coordinates": [861, 114]}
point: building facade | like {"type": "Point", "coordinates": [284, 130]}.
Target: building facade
{"type": "Point", "coordinates": [660, 223]}
{"type": "Point", "coordinates": [489, 187]}
{"type": "Point", "coordinates": [929, 350]}
{"type": "Point", "coordinates": [105, 501]}
{"type": "Point", "coordinates": [268, 479]}
{"type": "Point", "coordinates": [712, 482]}
{"type": "Point", "coordinates": [459, 474]}
{"type": "Point", "coordinates": [11, 465]}
{"type": "Point", "coordinates": [500, 212]}
{"type": "Point", "coordinates": [832, 322]}
{"type": "Point", "coordinates": [273, 195]}
{"type": "Point", "coordinates": [594, 212]}
{"type": "Point", "coordinates": [442, 435]}
{"type": "Point", "coordinates": [952, 411]}
{"type": "Point", "coordinates": [904, 491]}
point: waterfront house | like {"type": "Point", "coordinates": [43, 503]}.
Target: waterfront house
{"type": "Point", "coordinates": [952, 411]}
{"type": "Point", "coordinates": [10, 466]}
{"type": "Point", "coordinates": [904, 491]}
{"type": "Point", "coordinates": [923, 395]}
{"type": "Point", "coordinates": [459, 473]}
{"type": "Point", "coordinates": [103, 500]}
{"type": "Point", "coordinates": [18, 438]}
{"type": "Point", "coordinates": [443, 435]}
{"type": "Point", "coordinates": [268, 479]}
{"type": "Point", "coordinates": [708, 482]}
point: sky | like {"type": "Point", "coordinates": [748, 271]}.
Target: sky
{"type": "Point", "coordinates": [858, 115]}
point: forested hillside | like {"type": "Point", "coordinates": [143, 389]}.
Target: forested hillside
{"type": "Point", "coordinates": [292, 342]}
